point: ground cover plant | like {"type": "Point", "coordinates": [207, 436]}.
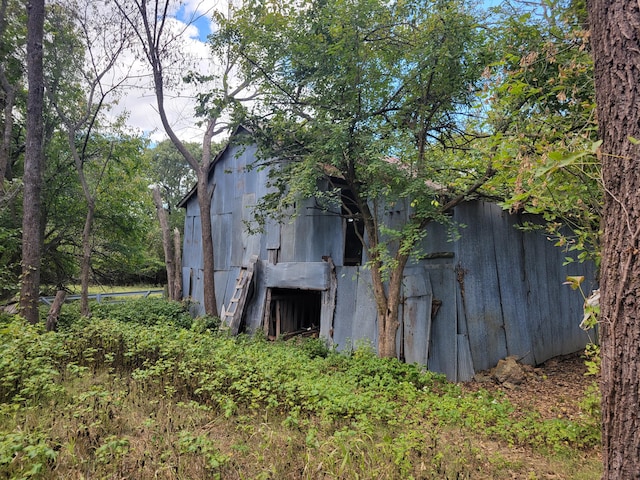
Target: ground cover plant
{"type": "Point", "coordinates": [147, 395]}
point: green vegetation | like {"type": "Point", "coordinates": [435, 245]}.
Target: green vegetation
{"type": "Point", "coordinates": [132, 393]}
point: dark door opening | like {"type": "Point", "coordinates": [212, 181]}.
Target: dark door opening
{"type": "Point", "coordinates": [292, 312]}
{"type": "Point", "coordinates": [353, 230]}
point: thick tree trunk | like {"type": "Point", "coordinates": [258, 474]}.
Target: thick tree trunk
{"type": "Point", "coordinates": [33, 165]}
{"type": "Point", "coordinates": [167, 244]}
{"type": "Point", "coordinates": [177, 279]}
{"type": "Point", "coordinates": [615, 27]}
{"type": "Point", "coordinates": [54, 311]}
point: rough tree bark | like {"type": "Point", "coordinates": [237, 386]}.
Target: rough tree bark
{"type": "Point", "coordinates": [615, 33]}
{"type": "Point", "coordinates": [33, 165]}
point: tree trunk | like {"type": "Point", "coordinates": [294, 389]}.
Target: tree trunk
{"type": "Point", "coordinates": [387, 298]}
{"type": "Point", "coordinates": [204, 201]}
{"type": "Point", "coordinates": [85, 267]}
{"type": "Point", "coordinates": [54, 311]}
{"type": "Point", "coordinates": [167, 244]}
{"type": "Point", "coordinates": [389, 323]}
{"type": "Point", "coordinates": [5, 150]}
{"type": "Point", "coordinates": [9, 101]}
{"type": "Point", "coordinates": [615, 27]}
{"type": "Point", "coordinates": [33, 165]}
{"type": "Point", "coordinates": [177, 251]}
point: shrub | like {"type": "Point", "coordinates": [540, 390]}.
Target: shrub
{"type": "Point", "coordinates": [145, 311]}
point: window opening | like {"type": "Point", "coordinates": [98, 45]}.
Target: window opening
{"type": "Point", "coordinates": [293, 312]}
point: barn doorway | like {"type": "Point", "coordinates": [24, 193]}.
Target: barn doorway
{"type": "Point", "coordinates": [292, 312]}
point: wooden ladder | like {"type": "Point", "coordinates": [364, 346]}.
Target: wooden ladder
{"type": "Point", "coordinates": [232, 314]}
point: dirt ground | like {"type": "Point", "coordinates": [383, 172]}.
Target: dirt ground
{"type": "Point", "coordinates": [555, 388]}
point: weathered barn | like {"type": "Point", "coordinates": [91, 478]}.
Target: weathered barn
{"type": "Point", "coordinates": [495, 291]}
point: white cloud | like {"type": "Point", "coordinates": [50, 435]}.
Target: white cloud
{"type": "Point", "coordinates": [138, 98]}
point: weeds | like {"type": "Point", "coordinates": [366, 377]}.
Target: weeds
{"type": "Point", "coordinates": [142, 398]}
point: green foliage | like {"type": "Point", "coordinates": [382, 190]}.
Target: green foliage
{"type": "Point", "coordinates": [29, 365]}
{"type": "Point", "coordinates": [68, 402]}
{"type": "Point", "coordinates": [205, 323]}
{"type": "Point", "coordinates": [540, 105]}
{"type": "Point", "coordinates": [145, 311]}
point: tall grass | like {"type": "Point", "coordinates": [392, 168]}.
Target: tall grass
{"type": "Point", "coordinates": [139, 394]}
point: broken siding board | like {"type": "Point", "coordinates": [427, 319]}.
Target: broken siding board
{"type": "Point", "coordinates": [256, 303]}
{"type": "Point", "coordinates": [443, 349]}
{"type": "Point", "coordinates": [328, 306]}
{"type": "Point", "coordinates": [250, 243]}
{"type": "Point", "coordinates": [298, 275]}
{"type": "Point", "coordinates": [465, 362]}
{"type": "Point", "coordinates": [416, 318]}
{"type": "Point", "coordinates": [222, 278]}
{"type": "Point", "coordinates": [480, 284]}
{"type": "Point", "coordinates": [345, 306]}
{"type": "Point", "coordinates": [187, 282]}
{"type": "Point", "coordinates": [365, 317]}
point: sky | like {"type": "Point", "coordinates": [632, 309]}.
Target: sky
{"type": "Point", "coordinates": [138, 100]}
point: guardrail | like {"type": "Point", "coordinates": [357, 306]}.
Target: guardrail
{"type": "Point", "coordinates": [111, 297]}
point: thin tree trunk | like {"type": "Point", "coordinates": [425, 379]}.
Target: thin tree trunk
{"type": "Point", "coordinates": [85, 267]}
{"type": "Point", "coordinates": [204, 201]}
{"type": "Point", "coordinates": [7, 128]}
{"type": "Point", "coordinates": [167, 244]}
{"type": "Point", "coordinates": [615, 27]}
{"type": "Point", "coordinates": [177, 250]}
{"type": "Point", "coordinates": [9, 100]}
{"type": "Point", "coordinates": [33, 165]}
{"type": "Point", "coordinates": [54, 311]}
{"type": "Point", "coordinates": [387, 298]}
